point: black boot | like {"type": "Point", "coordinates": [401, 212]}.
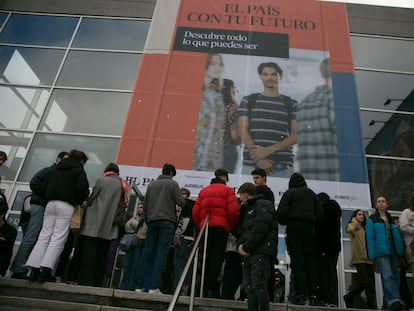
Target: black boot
{"type": "Point", "coordinates": [34, 275]}
{"type": "Point", "coordinates": [300, 300]}
{"type": "Point", "coordinates": [46, 276]}
{"type": "Point", "coordinates": [313, 301]}
{"type": "Point", "coordinates": [349, 301]}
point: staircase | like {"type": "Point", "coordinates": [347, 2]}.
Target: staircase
{"type": "Point", "coordinates": [19, 295]}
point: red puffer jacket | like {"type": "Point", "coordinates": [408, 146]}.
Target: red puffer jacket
{"type": "Point", "coordinates": [220, 201]}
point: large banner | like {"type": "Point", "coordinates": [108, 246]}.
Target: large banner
{"type": "Point", "coordinates": [248, 84]}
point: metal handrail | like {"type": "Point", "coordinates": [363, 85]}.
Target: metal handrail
{"type": "Point", "coordinates": [193, 257]}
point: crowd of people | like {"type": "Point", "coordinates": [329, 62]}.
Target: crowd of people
{"type": "Point", "coordinates": [242, 241]}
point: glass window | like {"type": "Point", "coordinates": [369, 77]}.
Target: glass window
{"type": "Point", "coordinates": [30, 66]}
{"type": "Point", "coordinates": [373, 52]}
{"type": "Point", "coordinates": [387, 133]}
{"type": "Point", "coordinates": [100, 70]}
{"type": "Point", "coordinates": [15, 144]}
{"type": "Point", "coordinates": [14, 216]}
{"type": "Point", "coordinates": [38, 30]}
{"type": "Point", "coordinates": [281, 251]}
{"type": "Point", "coordinates": [45, 148]}
{"type": "Point", "coordinates": [18, 200]}
{"type": "Point", "coordinates": [22, 107]}
{"type": "Point", "coordinates": [3, 17]}
{"type": "Point", "coordinates": [111, 34]}
{"type": "Point", "coordinates": [347, 254]}
{"type": "Point", "coordinates": [86, 112]}
{"type": "Point", "coordinates": [346, 215]}
{"type": "Point", "coordinates": [392, 178]}
{"type": "Point", "coordinates": [374, 88]}
{"type": "Point", "coordinates": [13, 219]}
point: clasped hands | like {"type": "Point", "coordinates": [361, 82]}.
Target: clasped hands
{"type": "Point", "coordinates": [260, 154]}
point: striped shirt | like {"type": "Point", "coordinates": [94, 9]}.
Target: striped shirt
{"type": "Point", "coordinates": [269, 123]}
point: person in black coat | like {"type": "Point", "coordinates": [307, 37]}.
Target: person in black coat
{"type": "Point", "coordinates": [257, 245]}
{"type": "Point", "coordinates": [328, 246]}
{"type": "Point", "coordinates": [299, 209]}
{"type": "Point", "coordinates": [8, 235]}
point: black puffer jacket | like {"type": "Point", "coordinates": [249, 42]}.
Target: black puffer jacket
{"type": "Point", "coordinates": [38, 185]}
{"type": "Point", "coordinates": [299, 203]}
{"type": "Point", "coordinates": [260, 229]}
{"type": "Point", "coordinates": [67, 182]}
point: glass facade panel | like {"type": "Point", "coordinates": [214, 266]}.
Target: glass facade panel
{"type": "Point", "coordinates": [374, 52]}
{"type": "Point", "coordinates": [18, 200]}
{"type": "Point", "coordinates": [392, 178]}
{"type": "Point", "coordinates": [100, 70]}
{"type": "Point", "coordinates": [22, 107]}
{"type": "Point", "coordinates": [13, 219]}
{"type": "Point", "coordinates": [111, 34]}
{"type": "Point", "coordinates": [281, 251]}
{"type": "Point", "coordinates": [384, 132]}
{"type": "Point", "coordinates": [86, 112]}
{"type": "Point", "coordinates": [31, 66]}
{"type": "Point", "coordinates": [346, 216]}
{"type": "Point", "coordinates": [3, 17]}
{"type": "Point", "coordinates": [346, 251]}
{"type": "Point", "coordinates": [38, 30]}
{"type": "Point", "coordinates": [15, 144]}
{"type": "Point", "coordinates": [374, 88]}
{"type": "Point", "coordinates": [45, 147]}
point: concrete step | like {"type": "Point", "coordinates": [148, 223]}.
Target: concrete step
{"type": "Point", "coordinates": [17, 295]}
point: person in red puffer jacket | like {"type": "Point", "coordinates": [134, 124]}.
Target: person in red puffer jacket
{"type": "Point", "coordinates": [220, 202]}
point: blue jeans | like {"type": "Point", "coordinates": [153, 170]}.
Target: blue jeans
{"type": "Point", "coordinates": [160, 234]}
{"type": "Point", "coordinates": [131, 259]}
{"type": "Point", "coordinates": [29, 239]}
{"type": "Point", "coordinates": [388, 266]}
{"type": "Point", "coordinates": [181, 254]}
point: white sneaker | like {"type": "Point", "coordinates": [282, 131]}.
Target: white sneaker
{"type": "Point", "coordinates": [139, 290]}
{"type": "Point", "coordinates": [155, 291]}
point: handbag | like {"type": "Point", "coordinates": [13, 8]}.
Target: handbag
{"type": "Point", "coordinates": [121, 215]}
{"type": "Point", "coordinates": [77, 217]}
{"type": "Point", "coordinates": [126, 241]}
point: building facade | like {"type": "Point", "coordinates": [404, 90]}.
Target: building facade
{"type": "Point", "coordinates": [68, 70]}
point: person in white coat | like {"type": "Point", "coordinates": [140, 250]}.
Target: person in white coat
{"type": "Point", "coordinates": [407, 231]}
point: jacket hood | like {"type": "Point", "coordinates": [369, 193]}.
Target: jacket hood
{"type": "Point", "coordinates": [255, 198]}
{"type": "Point", "coordinates": [297, 181]}
{"type": "Point", "coordinates": [68, 163]}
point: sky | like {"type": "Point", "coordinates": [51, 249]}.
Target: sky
{"type": "Point", "coordinates": [391, 3]}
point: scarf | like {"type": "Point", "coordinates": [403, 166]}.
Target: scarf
{"type": "Point", "coordinates": [126, 187]}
